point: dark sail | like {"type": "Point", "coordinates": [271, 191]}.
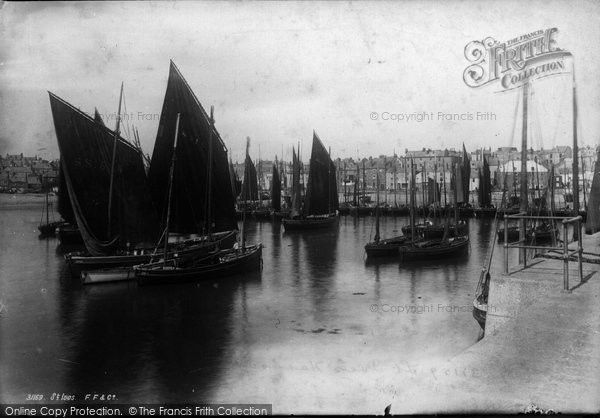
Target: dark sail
{"type": "Point", "coordinates": [276, 189]}
{"type": "Point", "coordinates": [485, 185]}
{"type": "Point", "coordinates": [98, 118]}
{"type": "Point", "coordinates": [64, 203]}
{"type": "Point", "coordinates": [190, 182]}
{"type": "Point", "coordinates": [592, 223]}
{"type": "Point", "coordinates": [433, 192]}
{"type": "Point", "coordinates": [249, 184]}
{"type": "Point", "coordinates": [321, 193]}
{"type": "Point", "coordinates": [466, 175]}
{"type": "Point", "coordinates": [296, 194]}
{"type": "Point", "coordinates": [86, 159]}
{"type": "Point", "coordinates": [236, 184]}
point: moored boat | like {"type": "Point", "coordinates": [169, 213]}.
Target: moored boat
{"type": "Point", "coordinates": [81, 262]}
{"type": "Point", "coordinates": [321, 200]}
{"type": "Point", "coordinates": [435, 248]}
{"type": "Point", "coordinates": [213, 265]}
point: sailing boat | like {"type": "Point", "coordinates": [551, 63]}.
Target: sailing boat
{"type": "Point", "coordinates": [443, 247]}
{"type": "Point", "coordinates": [387, 246]}
{"type": "Point", "coordinates": [485, 209]}
{"type": "Point", "coordinates": [96, 183]}
{"type": "Point", "coordinates": [85, 148]}
{"type": "Point", "coordinates": [249, 195]}
{"type": "Point", "coordinates": [217, 263]}
{"type": "Point", "coordinates": [480, 302]}
{"type": "Point", "coordinates": [49, 228]}
{"type": "Point", "coordinates": [276, 194]}
{"type": "Point", "coordinates": [321, 201]}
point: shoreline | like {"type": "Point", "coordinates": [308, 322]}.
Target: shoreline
{"type": "Point", "coordinates": [25, 200]}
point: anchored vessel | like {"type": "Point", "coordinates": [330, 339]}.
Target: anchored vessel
{"type": "Point", "coordinates": [217, 211]}
{"type": "Point", "coordinates": [321, 200]}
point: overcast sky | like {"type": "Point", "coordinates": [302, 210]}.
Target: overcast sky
{"type": "Point", "coordinates": [276, 71]}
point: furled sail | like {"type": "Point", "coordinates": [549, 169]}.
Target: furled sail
{"type": "Point", "coordinates": [190, 197]}
{"type": "Point", "coordinates": [321, 193]}
{"type": "Point", "coordinates": [86, 160]}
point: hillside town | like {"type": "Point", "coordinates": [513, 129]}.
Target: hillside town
{"type": "Point", "coordinates": [22, 174]}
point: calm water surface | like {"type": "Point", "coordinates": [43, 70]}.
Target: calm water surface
{"type": "Point", "coordinates": [319, 329]}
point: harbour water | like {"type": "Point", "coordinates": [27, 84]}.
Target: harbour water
{"type": "Point", "coordinates": [318, 329]}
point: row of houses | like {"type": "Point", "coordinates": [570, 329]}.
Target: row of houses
{"type": "Point", "coordinates": [19, 173]}
{"type": "Point", "coordinates": [394, 171]}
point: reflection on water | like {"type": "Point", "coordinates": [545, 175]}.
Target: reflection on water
{"type": "Point", "coordinates": [318, 325]}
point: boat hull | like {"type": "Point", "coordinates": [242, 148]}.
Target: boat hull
{"type": "Point", "coordinates": [79, 263]}
{"type": "Point", "coordinates": [386, 247]}
{"type": "Point", "coordinates": [434, 248]}
{"type": "Point", "coordinates": [308, 223]}
{"type": "Point", "coordinates": [69, 235]}
{"type": "Point", "coordinates": [230, 262]}
{"type": "Point", "coordinates": [480, 313]}
{"type": "Point", "coordinates": [107, 275]}
{"type": "Point", "coordinates": [49, 230]}
{"type": "Point", "coordinates": [435, 231]}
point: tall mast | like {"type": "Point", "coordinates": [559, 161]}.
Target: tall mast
{"type": "Point", "coordinates": [377, 212]}
{"type": "Point", "coordinates": [209, 185]}
{"type": "Point", "coordinates": [406, 180]}
{"type": "Point", "coordinates": [583, 179]}
{"type": "Point", "coordinates": [523, 199]}
{"type": "Point", "coordinates": [114, 157]}
{"type": "Point", "coordinates": [173, 158]}
{"type": "Point", "coordinates": [364, 182]}
{"type": "Point", "coordinates": [455, 171]}
{"type": "Point", "coordinates": [575, 152]}
{"type": "Point", "coordinates": [395, 181]}
{"type": "Point", "coordinates": [345, 184]}
{"type": "Point", "coordinates": [412, 201]}
{"type": "Point", "coordinates": [423, 185]}
{"type": "Point", "coordinates": [329, 182]}
{"type": "Point", "coordinates": [385, 178]}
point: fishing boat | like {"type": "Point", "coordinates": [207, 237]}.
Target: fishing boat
{"type": "Point", "coordinates": [387, 246]}
{"type": "Point", "coordinates": [69, 235]}
{"type": "Point", "coordinates": [217, 263]}
{"type": "Point", "coordinates": [433, 248]}
{"type": "Point", "coordinates": [485, 209]}
{"type": "Point", "coordinates": [81, 263]}
{"type": "Point", "coordinates": [48, 229]}
{"type": "Point", "coordinates": [429, 230]}
{"type": "Point", "coordinates": [480, 302]}
{"type": "Point", "coordinates": [211, 266]}
{"type": "Point", "coordinates": [321, 200]}
{"type": "Point", "coordinates": [217, 207]}
{"type": "Point", "coordinates": [277, 212]}
{"type": "Point", "coordinates": [111, 216]}
{"type": "Point", "coordinates": [249, 198]}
